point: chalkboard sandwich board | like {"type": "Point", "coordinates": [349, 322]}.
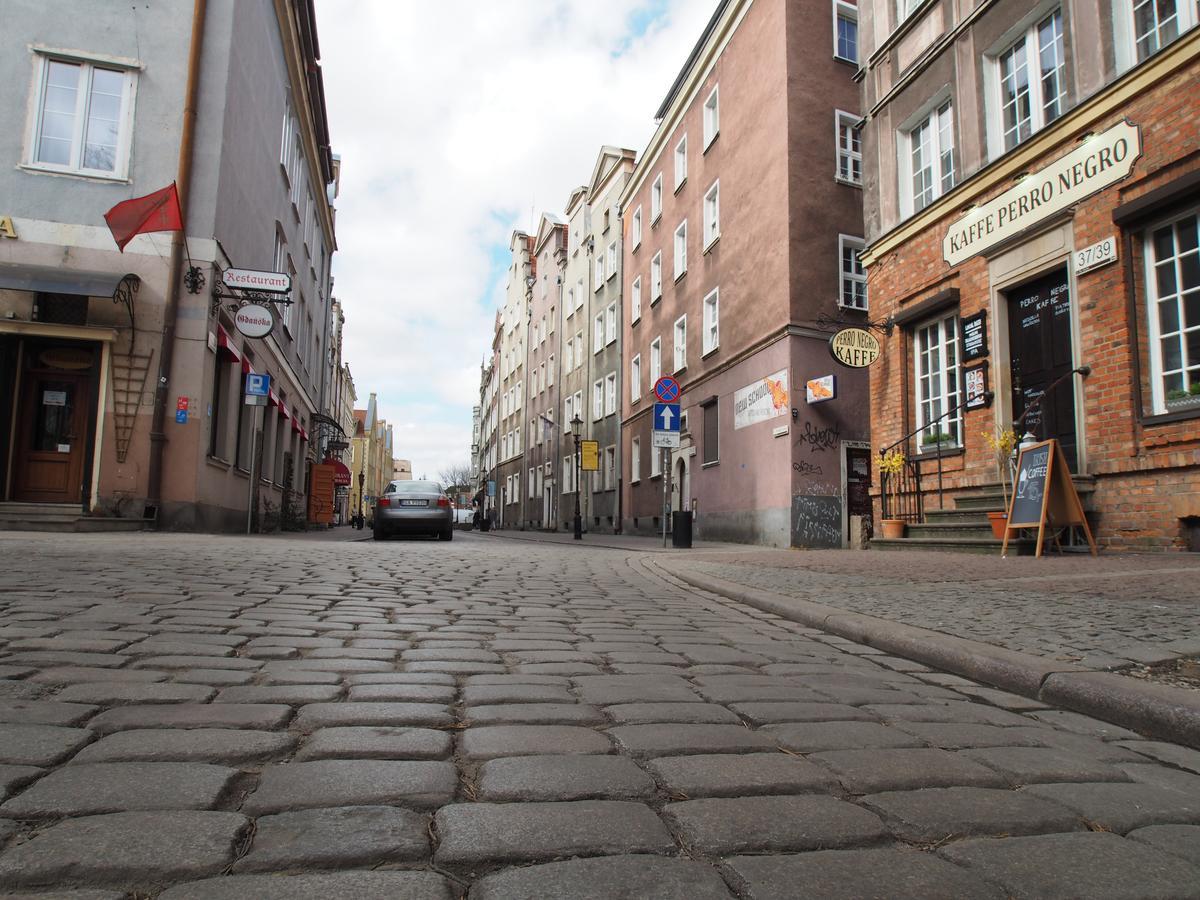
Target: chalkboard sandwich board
{"type": "Point", "coordinates": [1044, 495]}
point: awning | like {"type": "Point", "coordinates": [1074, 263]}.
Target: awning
{"type": "Point", "coordinates": [53, 280]}
{"type": "Point", "coordinates": [225, 344]}
{"type": "Point", "coordinates": [341, 474]}
{"type": "Point", "coordinates": [296, 424]}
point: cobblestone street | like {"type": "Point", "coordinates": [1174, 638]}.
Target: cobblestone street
{"type": "Point", "coordinates": [220, 717]}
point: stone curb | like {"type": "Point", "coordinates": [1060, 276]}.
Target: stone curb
{"type": "Point", "coordinates": [1154, 710]}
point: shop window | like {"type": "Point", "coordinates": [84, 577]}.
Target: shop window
{"type": "Point", "coordinates": [936, 379]}
{"type": "Point", "coordinates": [61, 309]}
{"type": "Point", "coordinates": [1030, 84]}
{"type": "Point", "coordinates": [928, 159]}
{"type": "Point", "coordinates": [1173, 293]}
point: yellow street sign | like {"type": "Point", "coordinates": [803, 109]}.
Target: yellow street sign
{"type": "Point", "coordinates": [589, 453]}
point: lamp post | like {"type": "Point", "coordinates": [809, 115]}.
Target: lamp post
{"type": "Point", "coordinates": [577, 433]}
{"type": "Point", "coordinates": [361, 478]}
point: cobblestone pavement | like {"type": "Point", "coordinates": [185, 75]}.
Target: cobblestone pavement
{"type": "Point", "coordinates": [206, 717]}
{"type": "Point", "coordinates": [1099, 613]}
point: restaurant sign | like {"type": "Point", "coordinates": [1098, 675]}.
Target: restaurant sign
{"type": "Point", "coordinates": [854, 347]}
{"type": "Point", "coordinates": [1098, 162]}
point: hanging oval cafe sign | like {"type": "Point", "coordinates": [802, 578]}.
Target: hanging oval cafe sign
{"type": "Point", "coordinates": [854, 347]}
{"type": "Point", "coordinates": [254, 321]}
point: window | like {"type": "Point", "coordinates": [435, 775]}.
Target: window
{"type": "Point", "coordinates": [579, 293]}
{"type": "Point", "coordinates": [712, 323]}
{"type": "Point", "coordinates": [656, 278]}
{"type": "Point", "coordinates": [532, 484]}
{"type": "Point", "coordinates": [579, 403]}
{"type": "Point", "coordinates": [1157, 23]}
{"type": "Point", "coordinates": [568, 357]}
{"type": "Point", "coordinates": [599, 273]}
{"type": "Point", "coordinates": [1031, 75]}
{"type": "Point", "coordinates": [853, 275]}
{"type": "Point", "coordinates": [550, 370]}
{"type": "Point", "coordinates": [635, 379]}
{"type": "Point", "coordinates": [610, 393]}
{"type": "Point", "coordinates": [610, 324]}
{"type": "Point", "coordinates": [655, 462]}
{"type": "Point", "coordinates": [612, 259]}
{"type": "Point", "coordinates": [598, 400]}
{"type": "Point", "coordinates": [681, 162]}
{"type": "Point", "coordinates": [1173, 293]}
{"type": "Point", "coordinates": [610, 468]}
{"type": "Point", "coordinates": [849, 148]}
{"type": "Point", "coordinates": [656, 199]}
{"type": "Point", "coordinates": [931, 158]}
{"type": "Point", "coordinates": [84, 118]}
{"type": "Point", "coordinates": [680, 343]}
{"type": "Point", "coordinates": [598, 333]}
{"type": "Point", "coordinates": [635, 461]}
{"type": "Point", "coordinates": [285, 142]}
{"type": "Point", "coordinates": [937, 377]}
{"type": "Point", "coordinates": [655, 360]}
{"type": "Point", "coordinates": [635, 300]}
{"type": "Point", "coordinates": [516, 491]}
{"type": "Point", "coordinates": [681, 249]}
{"type": "Point", "coordinates": [712, 214]}
{"type": "Point", "coordinates": [218, 423]}
{"type": "Point", "coordinates": [570, 302]}
{"type": "Point", "coordinates": [710, 439]}
{"type": "Point", "coordinates": [568, 414]}
{"type": "Point", "coordinates": [905, 8]}
{"type": "Point", "coordinates": [635, 229]}
{"type": "Point", "coordinates": [845, 31]}
{"type": "Point", "coordinates": [578, 349]}
{"type": "Point", "coordinates": [712, 117]}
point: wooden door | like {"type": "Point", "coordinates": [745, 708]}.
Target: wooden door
{"type": "Point", "coordinates": [858, 484]}
{"type": "Point", "coordinates": [52, 446]}
{"type": "Point", "coordinates": [1039, 333]}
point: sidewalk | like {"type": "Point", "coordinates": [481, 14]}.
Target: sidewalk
{"type": "Point", "coordinates": [640, 543]}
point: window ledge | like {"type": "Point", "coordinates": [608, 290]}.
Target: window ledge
{"type": "Point", "coordinates": [659, 475]}
{"type": "Point", "coordinates": [853, 63]}
{"type": "Point", "coordinates": [707, 353]}
{"type": "Point", "coordinates": [1167, 418]}
{"type": "Point", "coordinates": [217, 463]}
{"type": "Point", "coordinates": [948, 453]}
{"type": "Point", "coordinates": [680, 276]}
{"type": "Point", "coordinates": [712, 140]}
{"type": "Point", "coordinates": [679, 187]}
{"type": "Point", "coordinates": [716, 240]}
{"type": "Point", "coordinates": [74, 173]}
{"type": "Point", "coordinates": [846, 181]}
{"type": "Point", "coordinates": [635, 247]}
{"type": "Point", "coordinates": [680, 370]}
{"type": "Point", "coordinates": [709, 465]}
{"type": "Point", "coordinates": [654, 222]}
{"type": "Point", "coordinates": [635, 481]}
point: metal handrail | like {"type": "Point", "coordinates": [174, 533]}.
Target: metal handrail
{"type": "Point", "coordinates": [1085, 371]}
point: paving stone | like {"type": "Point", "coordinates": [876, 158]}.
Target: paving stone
{"type": "Point", "coordinates": [376, 742]}
{"type": "Point", "coordinates": [94, 788]}
{"type": "Point", "coordinates": [318, 886]}
{"type": "Point", "coordinates": [1172, 754]}
{"type": "Point", "coordinates": [768, 713]}
{"type": "Point", "coordinates": [933, 815]}
{"type": "Point", "coordinates": [491, 741]}
{"type": "Point", "coordinates": [13, 777]}
{"type": "Point", "coordinates": [327, 715]}
{"type": "Point", "coordinates": [1122, 807]}
{"type": "Point", "coordinates": [958, 713]}
{"type": "Point", "coordinates": [858, 874]}
{"type": "Point", "coordinates": [218, 745]}
{"type": "Point", "coordinates": [57, 658]}
{"type": "Point", "coordinates": [302, 676]}
{"type": "Point", "coordinates": [214, 677]}
{"type": "Point", "coordinates": [687, 713]}
{"type": "Point", "coordinates": [44, 712]}
{"type": "Point", "coordinates": [957, 736]}
{"type": "Point", "coordinates": [873, 771]}
{"type": "Point", "coordinates": [168, 663]}
{"type": "Point", "coordinates": [813, 737]}
{"type": "Point", "coordinates": [486, 694]}
{"type": "Point", "coordinates": [1088, 864]}
{"type": "Point", "coordinates": [257, 716]}
{"type": "Point", "coordinates": [120, 693]}
{"type": "Point", "coordinates": [39, 745]}
{"type": "Point", "coordinates": [528, 778]}
{"type": "Point", "coordinates": [401, 678]}
{"type": "Point", "coordinates": [340, 666]}
{"type": "Point", "coordinates": [339, 837]}
{"type": "Point", "coordinates": [128, 848]}
{"type": "Point", "coordinates": [1182, 841]}
{"type": "Point", "coordinates": [69, 895]}
{"type": "Point", "coordinates": [86, 675]}
{"type": "Point", "coordinates": [1034, 765]}
{"type": "Point", "coordinates": [293, 695]}
{"type": "Point", "coordinates": [608, 690]}
{"type": "Point", "coordinates": [475, 834]}
{"type": "Point", "coordinates": [402, 693]}
{"type": "Point", "coordinates": [606, 878]}
{"type": "Point", "coordinates": [1163, 776]}
{"type": "Point", "coordinates": [736, 775]}
{"type": "Point", "coordinates": [535, 714]}
{"type": "Point", "coordinates": [675, 739]}
{"type": "Point", "coordinates": [1081, 724]}
{"type": "Point", "coordinates": [724, 826]}
{"type": "Point", "coordinates": [350, 782]}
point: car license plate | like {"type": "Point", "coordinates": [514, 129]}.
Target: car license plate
{"type": "Point", "coordinates": [414, 502]}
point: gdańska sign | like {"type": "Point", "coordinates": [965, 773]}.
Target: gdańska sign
{"type": "Point", "coordinates": [253, 320]}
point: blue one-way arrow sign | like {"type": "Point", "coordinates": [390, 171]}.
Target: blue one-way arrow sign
{"type": "Point", "coordinates": [666, 416]}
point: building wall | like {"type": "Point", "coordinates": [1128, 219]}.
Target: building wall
{"type": "Point", "coordinates": [542, 400]}
{"type": "Point", "coordinates": [577, 278]}
{"type": "Point", "coordinates": [514, 345]}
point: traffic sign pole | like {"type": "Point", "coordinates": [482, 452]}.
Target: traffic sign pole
{"type": "Point", "coordinates": [666, 463]}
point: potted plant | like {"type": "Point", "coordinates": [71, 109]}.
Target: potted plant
{"type": "Point", "coordinates": [1181, 399]}
{"type": "Point", "coordinates": [932, 439]}
{"type": "Point", "coordinates": [1002, 442]}
{"type": "Point", "coordinates": [891, 464]}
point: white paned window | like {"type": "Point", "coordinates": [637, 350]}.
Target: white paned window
{"type": "Point", "coordinates": [655, 360]}
{"type": "Point", "coordinates": [612, 259]}
{"type": "Point", "coordinates": [681, 249]}
{"type": "Point", "coordinates": [285, 143]}
{"type": "Point", "coordinates": [853, 277]}
{"type": "Point", "coordinates": [568, 414]}
{"type": "Point", "coordinates": [599, 273]}
{"type": "Point", "coordinates": [681, 162]}
{"type": "Point", "coordinates": [568, 357]}
{"type": "Point", "coordinates": [1157, 23]}
{"type": "Point", "coordinates": [532, 485]}
{"type": "Point", "coordinates": [550, 370]}
{"type": "Point", "coordinates": [930, 166]}
{"type": "Point", "coordinates": [635, 461]}
{"type": "Point", "coordinates": [936, 378]}
{"type": "Point", "coordinates": [578, 349]}
{"type": "Point", "coordinates": [1031, 77]}
{"type": "Point", "coordinates": [635, 379]}
{"type": "Point", "coordinates": [610, 468]}
{"type": "Point", "coordinates": [570, 307]}
{"type": "Point", "coordinates": [845, 31]}
{"type": "Point", "coordinates": [712, 322]}
{"type": "Point", "coordinates": [905, 8]}
{"type": "Point", "coordinates": [516, 491]}
{"type": "Point", "coordinates": [635, 229]}
{"type": "Point", "coordinates": [656, 197]}
{"type": "Point", "coordinates": [598, 333]}
{"type": "Point", "coordinates": [712, 116]}
{"type": "Point", "coordinates": [656, 278]}
{"type": "Point", "coordinates": [579, 293]}
{"type": "Point", "coordinates": [712, 214]}
{"type": "Point", "coordinates": [579, 408]}
{"type": "Point", "coordinates": [610, 393]}
{"type": "Point", "coordinates": [598, 400]}
{"type": "Point", "coordinates": [655, 462]}
{"type": "Point", "coordinates": [84, 118]}
{"type": "Point", "coordinates": [635, 300]}
{"type": "Point", "coordinates": [1173, 293]}
{"type": "Point", "coordinates": [849, 148]}
{"type": "Point", "coordinates": [610, 324]}
{"type": "Point", "coordinates": [680, 343]}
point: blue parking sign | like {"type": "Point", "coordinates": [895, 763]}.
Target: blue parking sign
{"type": "Point", "coordinates": [181, 416]}
{"type": "Point", "coordinates": [258, 385]}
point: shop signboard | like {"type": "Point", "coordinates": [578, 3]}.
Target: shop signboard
{"type": "Point", "coordinates": [855, 348]}
{"type": "Point", "coordinates": [974, 336]}
{"type": "Point", "coordinates": [975, 386]}
{"type": "Point", "coordinates": [818, 390]}
{"type": "Point", "coordinates": [254, 321]}
{"type": "Point", "coordinates": [253, 280]}
{"type": "Point", "coordinates": [589, 456]}
{"type": "Point", "coordinates": [762, 401]}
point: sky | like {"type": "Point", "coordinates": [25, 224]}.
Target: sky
{"type": "Point", "coordinates": [458, 122]}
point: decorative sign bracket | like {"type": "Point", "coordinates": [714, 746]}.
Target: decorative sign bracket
{"type": "Point", "coordinates": [239, 297]}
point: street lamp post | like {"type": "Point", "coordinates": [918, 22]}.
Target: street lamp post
{"type": "Point", "coordinates": [361, 478]}
{"type": "Point", "coordinates": [577, 433]}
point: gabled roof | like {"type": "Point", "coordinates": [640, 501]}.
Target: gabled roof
{"type": "Point", "coordinates": [518, 237]}
{"type": "Point", "coordinates": [547, 226]}
{"type": "Point", "coordinates": [578, 195]}
{"type": "Point", "coordinates": [608, 159]}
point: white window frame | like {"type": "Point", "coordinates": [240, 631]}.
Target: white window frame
{"type": "Point", "coordinates": [569, 357]}
{"type": "Point", "coordinates": [656, 199]}
{"type": "Point", "coordinates": [599, 272]}
{"type": "Point", "coordinates": [635, 229]}
{"type": "Point", "coordinates": [568, 413]}
{"type": "Point", "coordinates": [847, 157]}
{"type": "Point", "coordinates": [712, 116]}
{"type": "Point", "coordinates": [550, 371]}
{"type": "Point", "coordinates": [1187, 16]}
{"type": "Point", "coordinates": [711, 336]}
{"type": "Point", "coordinates": [570, 304]}
{"type": "Point", "coordinates": [655, 462]}
{"type": "Point", "coordinates": [611, 258]}
{"type": "Point", "coordinates": [848, 301]}
{"type": "Point", "coordinates": [711, 215]}
{"type": "Point", "coordinates": [635, 460]}
{"type": "Point", "coordinates": [679, 343]}
{"type": "Point", "coordinates": [656, 278]}
{"type": "Point", "coordinates": [655, 360]}
{"type": "Point", "coordinates": [681, 162]}
{"type": "Point", "coordinates": [598, 332]}
{"type": "Point", "coordinates": [929, 117]}
{"type": "Point", "coordinates": [83, 97]}
{"type": "Point", "coordinates": [610, 324]}
{"type": "Point", "coordinates": [532, 484]}
{"type": "Point", "coordinates": [635, 379]}
{"type": "Point", "coordinates": [946, 376]}
{"type": "Point", "coordinates": [681, 260]}
{"type": "Point", "coordinates": [610, 394]}
{"type": "Point", "coordinates": [579, 351]}
{"type": "Point", "coordinates": [635, 300]}
{"type": "Point", "coordinates": [598, 400]}
{"type": "Point", "coordinates": [1027, 31]}
{"type": "Point", "coordinates": [610, 467]}
{"type": "Point", "coordinates": [579, 294]}
{"type": "Point", "coordinates": [1189, 369]}
{"type": "Point", "coordinates": [849, 12]}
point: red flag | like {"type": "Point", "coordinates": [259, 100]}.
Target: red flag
{"type": "Point", "coordinates": [154, 212]}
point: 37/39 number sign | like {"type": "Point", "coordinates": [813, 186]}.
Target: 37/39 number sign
{"type": "Point", "coordinates": [1099, 254]}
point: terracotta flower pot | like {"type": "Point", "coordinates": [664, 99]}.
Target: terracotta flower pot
{"type": "Point", "coordinates": [998, 520]}
{"type": "Point", "coordinates": [892, 528]}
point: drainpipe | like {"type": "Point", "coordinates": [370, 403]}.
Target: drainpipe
{"type": "Point", "coordinates": [166, 353]}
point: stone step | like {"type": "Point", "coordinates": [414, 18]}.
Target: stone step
{"type": "Point", "coordinates": [949, 530]}
{"type": "Point", "coordinates": [989, 545]}
{"type": "Point", "coordinates": [959, 516]}
{"type": "Point", "coordinates": [990, 496]}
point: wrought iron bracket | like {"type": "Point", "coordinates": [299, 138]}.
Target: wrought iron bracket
{"type": "Point", "coordinates": [832, 323]}
{"type": "Point", "coordinates": [194, 280]}
{"type": "Point", "coordinates": [239, 298]}
{"type": "Point", "coordinates": [127, 287]}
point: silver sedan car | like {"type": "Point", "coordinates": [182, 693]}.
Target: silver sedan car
{"type": "Point", "coordinates": [414, 507]}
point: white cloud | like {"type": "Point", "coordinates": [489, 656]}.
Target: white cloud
{"type": "Point", "coordinates": [457, 123]}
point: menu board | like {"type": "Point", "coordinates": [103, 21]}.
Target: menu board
{"type": "Point", "coordinates": [974, 336]}
{"type": "Point", "coordinates": [1044, 495]}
